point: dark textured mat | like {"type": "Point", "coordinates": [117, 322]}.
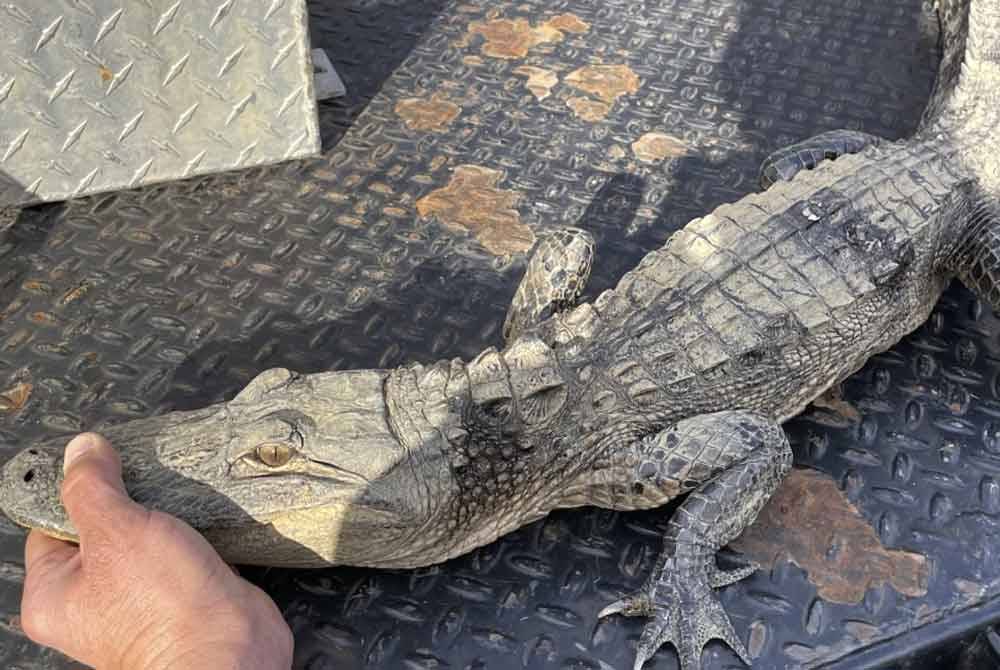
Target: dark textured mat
{"type": "Point", "coordinates": [627, 119]}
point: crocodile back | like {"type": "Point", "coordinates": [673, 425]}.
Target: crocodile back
{"type": "Point", "coordinates": [766, 302]}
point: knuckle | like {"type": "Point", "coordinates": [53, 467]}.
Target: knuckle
{"type": "Point", "coordinates": [159, 527]}
{"type": "Point", "coordinates": [84, 483]}
{"type": "Point", "coordinates": [156, 533]}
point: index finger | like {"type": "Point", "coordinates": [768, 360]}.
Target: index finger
{"type": "Point", "coordinates": [50, 565]}
{"type": "Point", "coordinates": [42, 552]}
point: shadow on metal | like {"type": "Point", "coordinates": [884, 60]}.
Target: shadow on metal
{"type": "Point", "coordinates": [285, 339]}
{"type": "Point", "coordinates": [21, 237]}
{"type": "Point", "coordinates": [366, 42]}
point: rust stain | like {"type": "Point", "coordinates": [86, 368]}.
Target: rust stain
{"type": "Point", "coordinates": [435, 114]}
{"type": "Point", "coordinates": [540, 80]}
{"type": "Point", "coordinates": [514, 38]}
{"type": "Point", "coordinates": [473, 61]}
{"type": "Point", "coordinates": [810, 522]}
{"type": "Point", "coordinates": [654, 147]}
{"type": "Point", "coordinates": [351, 221]}
{"type": "Point", "coordinates": [616, 152]}
{"type": "Point", "coordinates": [13, 400]}
{"type": "Point", "coordinates": [839, 413]}
{"type": "Point", "coordinates": [75, 293]}
{"type": "Point", "coordinates": [569, 23]}
{"type": "Point", "coordinates": [471, 201]}
{"type": "Point", "coordinates": [587, 109]}
{"type": "Point", "coordinates": [607, 82]}
{"type": "Point", "coordinates": [35, 286]}
{"type": "Point", "coordinates": [106, 74]}
{"type": "Point", "coordinates": [11, 308]}
{"type": "Point", "coordinates": [232, 260]}
{"type": "Point", "coordinates": [396, 212]}
{"type": "Point", "coordinates": [43, 318]}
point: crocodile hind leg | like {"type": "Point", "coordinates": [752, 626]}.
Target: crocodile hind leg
{"type": "Point", "coordinates": [976, 259]}
{"type": "Point", "coordinates": [556, 276]}
{"type": "Point", "coordinates": [732, 461]}
{"type": "Point", "coordinates": [785, 163]}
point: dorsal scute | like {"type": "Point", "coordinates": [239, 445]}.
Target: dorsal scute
{"type": "Point", "coordinates": [488, 378]}
{"type": "Point", "coordinates": [536, 379]}
{"type": "Point", "coordinates": [744, 280]}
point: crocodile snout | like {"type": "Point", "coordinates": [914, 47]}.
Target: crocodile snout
{"type": "Point", "coordinates": [29, 491]}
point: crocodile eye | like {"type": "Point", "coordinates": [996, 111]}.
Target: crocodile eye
{"type": "Point", "coordinates": [274, 454]}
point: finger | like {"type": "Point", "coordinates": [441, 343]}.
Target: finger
{"type": "Point", "coordinates": [49, 568]}
{"type": "Point", "coordinates": [93, 491]}
{"type": "Point", "coordinates": [42, 552]}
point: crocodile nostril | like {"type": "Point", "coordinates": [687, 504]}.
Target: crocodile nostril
{"type": "Point", "coordinates": [28, 476]}
{"type": "Point", "coordinates": [33, 452]}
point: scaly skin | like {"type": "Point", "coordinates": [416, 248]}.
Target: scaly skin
{"type": "Point", "coordinates": [674, 382]}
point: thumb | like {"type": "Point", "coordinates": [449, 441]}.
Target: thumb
{"type": "Point", "coordinates": [93, 492]}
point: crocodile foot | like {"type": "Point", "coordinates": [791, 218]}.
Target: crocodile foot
{"type": "Point", "coordinates": [685, 611]}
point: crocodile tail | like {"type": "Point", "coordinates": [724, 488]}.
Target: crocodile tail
{"type": "Point", "coordinates": [970, 52]}
{"type": "Point", "coordinates": [976, 258]}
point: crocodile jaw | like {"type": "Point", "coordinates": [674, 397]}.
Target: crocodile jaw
{"type": "Point", "coordinates": [339, 498]}
{"type": "Point", "coordinates": [29, 492]}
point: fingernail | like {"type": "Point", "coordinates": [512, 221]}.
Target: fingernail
{"type": "Point", "coordinates": [76, 447]}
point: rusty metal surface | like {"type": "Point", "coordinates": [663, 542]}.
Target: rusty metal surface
{"type": "Point", "coordinates": [101, 95]}
{"type": "Point", "coordinates": [626, 119]}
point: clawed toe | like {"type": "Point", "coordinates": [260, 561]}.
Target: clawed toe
{"type": "Point", "coordinates": [717, 578]}
{"type": "Point", "coordinates": [689, 631]}
{"type": "Point", "coordinates": [685, 612]}
{"type": "Point", "coordinates": [637, 604]}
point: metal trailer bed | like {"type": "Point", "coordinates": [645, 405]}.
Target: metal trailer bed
{"type": "Point", "coordinates": [627, 119]}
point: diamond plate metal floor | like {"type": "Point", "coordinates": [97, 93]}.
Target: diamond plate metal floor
{"type": "Point", "coordinates": [627, 119]}
{"type": "Point", "coordinates": [101, 96]}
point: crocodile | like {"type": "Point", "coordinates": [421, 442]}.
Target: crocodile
{"type": "Point", "coordinates": [673, 384]}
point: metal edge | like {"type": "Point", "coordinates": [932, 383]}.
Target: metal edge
{"type": "Point", "coordinates": [949, 626]}
{"type": "Point", "coordinates": [314, 148]}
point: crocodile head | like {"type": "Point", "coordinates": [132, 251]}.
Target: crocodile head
{"type": "Point", "coordinates": [296, 470]}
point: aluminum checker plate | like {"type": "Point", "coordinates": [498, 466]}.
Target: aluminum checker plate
{"type": "Point", "coordinates": [102, 95]}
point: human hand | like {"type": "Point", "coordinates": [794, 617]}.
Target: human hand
{"type": "Point", "coordinates": [143, 590]}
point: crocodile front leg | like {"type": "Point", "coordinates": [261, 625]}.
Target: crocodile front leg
{"type": "Point", "coordinates": [787, 162]}
{"type": "Point", "coordinates": [733, 461]}
{"type": "Point", "coordinates": [557, 273]}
